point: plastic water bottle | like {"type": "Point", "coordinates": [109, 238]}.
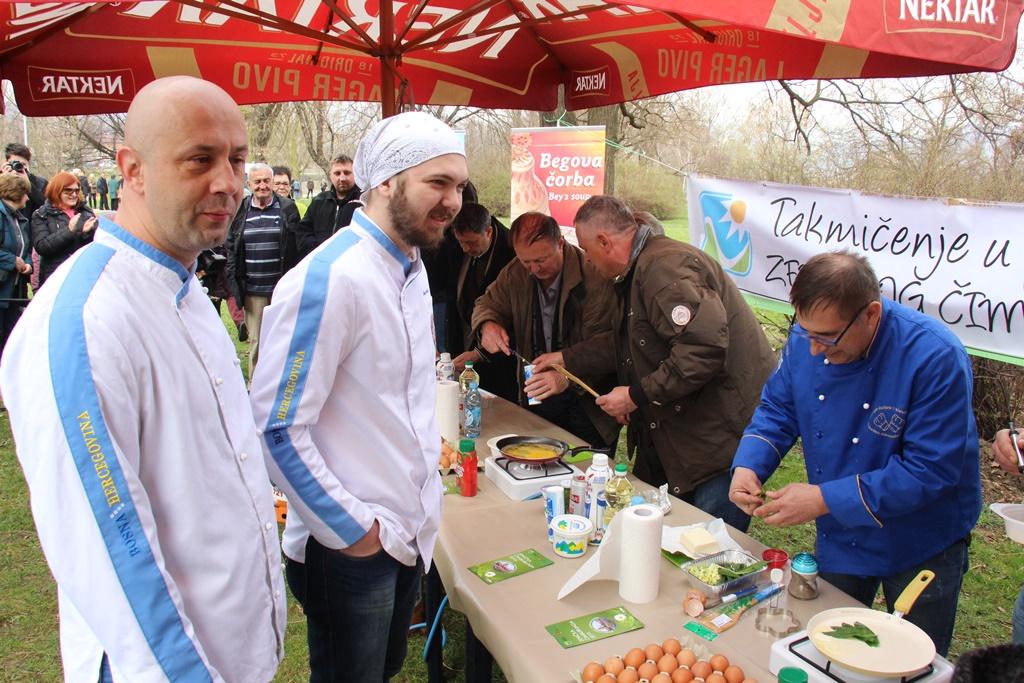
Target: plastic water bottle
{"type": "Point", "coordinates": [597, 477]}
{"type": "Point", "coordinates": [445, 368]}
{"type": "Point", "coordinates": [469, 388]}
{"type": "Point", "coordinates": [618, 492]}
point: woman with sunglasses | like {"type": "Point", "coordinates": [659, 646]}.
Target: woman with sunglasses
{"type": "Point", "coordinates": [62, 225]}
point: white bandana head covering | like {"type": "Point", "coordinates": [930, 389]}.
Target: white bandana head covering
{"type": "Point", "coordinates": [400, 142]}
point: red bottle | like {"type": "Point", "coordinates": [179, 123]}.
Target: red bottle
{"type": "Point", "coordinates": [467, 463]}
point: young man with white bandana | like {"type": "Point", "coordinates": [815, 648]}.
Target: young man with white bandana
{"type": "Point", "coordinates": [133, 427]}
{"type": "Point", "coordinates": [345, 394]}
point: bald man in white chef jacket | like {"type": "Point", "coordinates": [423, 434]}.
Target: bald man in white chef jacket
{"type": "Point", "coordinates": [133, 426]}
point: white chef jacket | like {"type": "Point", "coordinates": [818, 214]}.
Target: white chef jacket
{"type": "Point", "coordinates": [151, 500]}
{"type": "Point", "coordinates": [345, 391]}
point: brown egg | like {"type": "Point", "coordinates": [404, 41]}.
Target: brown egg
{"type": "Point", "coordinates": [749, 680]}
{"type": "Point", "coordinates": [591, 672]}
{"type": "Point", "coordinates": [668, 664]}
{"type": "Point", "coordinates": [647, 670]}
{"type": "Point", "coordinates": [671, 646]}
{"type": "Point", "coordinates": [682, 675]}
{"type": "Point", "coordinates": [733, 674]}
{"type": "Point", "coordinates": [614, 666]}
{"type": "Point", "coordinates": [719, 662]}
{"type": "Point", "coordinates": [634, 658]}
{"type": "Point", "coordinates": [653, 652]}
{"type": "Point", "coordinates": [715, 678]}
{"type": "Point", "coordinates": [628, 676]}
{"type": "Point", "coordinates": [607, 678]}
{"type": "Point", "coordinates": [686, 658]}
{"type": "Point", "coordinates": [662, 678]}
{"type": "Point", "coordinates": [701, 669]}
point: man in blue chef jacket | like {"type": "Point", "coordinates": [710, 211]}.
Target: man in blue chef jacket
{"type": "Point", "coordinates": [881, 397]}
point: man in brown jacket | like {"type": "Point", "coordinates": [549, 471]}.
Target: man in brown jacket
{"type": "Point", "coordinates": [549, 299]}
{"type": "Point", "coordinates": [690, 356]}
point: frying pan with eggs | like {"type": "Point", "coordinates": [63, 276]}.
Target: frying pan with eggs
{"type": "Point", "coordinates": [538, 449]}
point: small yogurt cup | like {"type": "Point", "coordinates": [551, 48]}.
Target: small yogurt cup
{"type": "Point", "coordinates": [570, 534]}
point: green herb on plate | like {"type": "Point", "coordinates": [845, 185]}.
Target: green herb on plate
{"type": "Point", "coordinates": [854, 631]}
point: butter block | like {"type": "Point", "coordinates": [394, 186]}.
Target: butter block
{"type": "Point", "coordinates": [698, 542]}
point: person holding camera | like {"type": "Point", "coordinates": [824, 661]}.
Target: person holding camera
{"type": "Point", "coordinates": [18, 159]}
{"type": "Point", "coordinates": [62, 225]}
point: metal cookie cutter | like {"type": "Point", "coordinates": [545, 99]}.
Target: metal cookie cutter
{"type": "Point", "coordinates": [777, 621]}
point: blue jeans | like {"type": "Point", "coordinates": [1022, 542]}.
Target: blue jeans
{"type": "Point", "coordinates": [358, 611]}
{"type": "Point", "coordinates": [935, 611]}
{"type": "Point", "coordinates": [1018, 619]}
{"type": "Point", "coordinates": [713, 498]}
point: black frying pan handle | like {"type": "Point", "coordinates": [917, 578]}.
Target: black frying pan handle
{"type": "Point", "coordinates": [588, 449]}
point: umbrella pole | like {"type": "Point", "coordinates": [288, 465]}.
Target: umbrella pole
{"type": "Point", "coordinates": [387, 60]}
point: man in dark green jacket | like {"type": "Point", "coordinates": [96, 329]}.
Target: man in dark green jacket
{"type": "Point", "coordinates": [690, 356]}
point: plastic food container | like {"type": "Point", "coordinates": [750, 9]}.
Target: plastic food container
{"type": "Point", "coordinates": [731, 556]}
{"type": "Point", "coordinates": [1013, 519]}
{"type": "Point", "coordinates": [570, 534]}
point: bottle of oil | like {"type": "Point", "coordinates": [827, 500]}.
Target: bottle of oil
{"type": "Point", "coordinates": [617, 493]}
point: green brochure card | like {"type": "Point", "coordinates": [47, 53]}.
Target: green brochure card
{"type": "Point", "coordinates": [701, 630]}
{"type": "Point", "coordinates": [596, 626]}
{"type": "Point", "coordinates": [510, 565]}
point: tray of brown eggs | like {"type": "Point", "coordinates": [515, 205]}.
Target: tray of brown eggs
{"type": "Point", "coordinates": [670, 662]}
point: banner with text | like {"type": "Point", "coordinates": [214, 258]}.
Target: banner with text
{"type": "Point", "coordinates": [960, 262]}
{"type": "Point", "coordinates": [555, 170]}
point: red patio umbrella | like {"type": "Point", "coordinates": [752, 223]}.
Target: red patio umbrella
{"type": "Point", "coordinates": [85, 58]}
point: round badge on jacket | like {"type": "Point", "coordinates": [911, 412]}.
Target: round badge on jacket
{"type": "Point", "coordinates": [681, 315]}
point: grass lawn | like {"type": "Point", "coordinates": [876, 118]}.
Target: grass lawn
{"type": "Point", "coordinates": [28, 621]}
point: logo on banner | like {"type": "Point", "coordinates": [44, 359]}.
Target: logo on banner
{"type": "Point", "coordinates": [724, 239]}
{"type": "Point", "coordinates": [62, 84]}
{"type": "Point", "coordinates": [587, 83]}
{"type": "Point", "coordinates": [985, 18]}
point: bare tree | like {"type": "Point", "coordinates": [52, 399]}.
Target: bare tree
{"type": "Point", "coordinates": [261, 121]}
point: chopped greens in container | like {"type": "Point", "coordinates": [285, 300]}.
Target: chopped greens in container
{"type": "Point", "coordinates": [714, 573]}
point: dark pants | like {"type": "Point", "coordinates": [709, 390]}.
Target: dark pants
{"type": "Point", "coordinates": [8, 319]}
{"type": "Point", "coordinates": [358, 612]}
{"type": "Point", "coordinates": [114, 202]}
{"type": "Point", "coordinates": [1018, 618]}
{"type": "Point", "coordinates": [104, 201]}
{"type": "Point", "coordinates": [711, 496]}
{"type": "Point", "coordinates": [935, 610]}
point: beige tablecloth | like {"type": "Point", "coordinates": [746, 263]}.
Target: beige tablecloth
{"type": "Point", "coordinates": [509, 617]}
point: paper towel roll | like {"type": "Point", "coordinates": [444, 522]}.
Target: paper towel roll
{"type": "Point", "coordinates": [446, 408]}
{"type": "Point", "coordinates": [640, 548]}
